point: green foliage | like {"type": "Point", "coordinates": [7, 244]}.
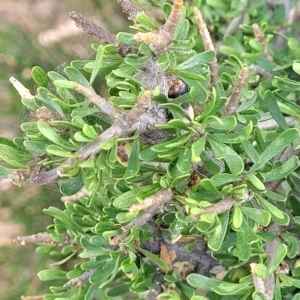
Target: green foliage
{"type": "Point", "coordinates": [230, 178]}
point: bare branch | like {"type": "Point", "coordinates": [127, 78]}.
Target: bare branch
{"type": "Point", "coordinates": [100, 102]}
{"type": "Point", "coordinates": [235, 97]}
{"type": "Point", "coordinates": [91, 28]}
{"type": "Point", "coordinates": [129, 9]}
{"type": "Point", "coordinates": [208, 45]}
{"type": "Point", "coordinates": [157, 199]}
{"type": "Point", "coordinates": [220, 207]}
{"type": "Point", "coordinates": [43, 238]}
{"type": "Point", "coordinates": [21, 89]}
{"type": "Point", "coordinates": [78, 281]}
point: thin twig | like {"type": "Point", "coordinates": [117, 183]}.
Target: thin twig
{"type": "Point", "coordinates": [208, 45]}
{"type": "Point", "coordinates": [43, 238]}
{"type": "Point", "coordinates": [78, 281]}
{"type": "Point", "coordinates": [100, 102]}
{"type": "Point", "coordinates": [236, 94]}
{"type": "Point", "coordinates": [21, 89]}
{"type": "Point", "coordinates": [220, 207]}
{"type": "Point", "coordinates": [91, 28]}
{"type": "Point", "coordinates": [156, 199]}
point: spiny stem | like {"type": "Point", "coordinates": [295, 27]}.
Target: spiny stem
{"type": "Point", "coordinates": [208, 45]}
{"type": "Point", "coordinates": [236, 95]}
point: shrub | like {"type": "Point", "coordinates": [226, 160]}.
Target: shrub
{"type": "Point", "coordinates": [185, 169]}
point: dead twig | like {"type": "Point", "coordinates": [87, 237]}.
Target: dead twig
{"type": "Point", "coordinates": [91, 28]}
{"type": "Point", "coordinates": [78, 281]}
{"type": "Point", "coordinates": [43, 238]}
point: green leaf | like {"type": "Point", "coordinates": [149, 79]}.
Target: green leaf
{"type": "Point", "coordinates": [260, 216]}
{"type": "Point", "coordinates": [39, 76]}
{"type": "Point", "coordinates": [232, 288]}
{"type": "Point", "coordinates": [234, 138]}
{"type": "Point", "coordinates": [258, 296]}
{"type": "Point", "coordinates": [292, 243]}
{"type": "Point", "coordinates": [274, 110]}
{"type": "Point", "coordinates": [198, 59]}
{"type": "Point", "coordinates": [254, 183]}
{"type": "Point", "coordinates": [197, 148]}
{"type": "Point", "coordinates": [46, 275]}
{"type": "Point", "coordinates": [217, 238]}
{"type": "Point", "coordinates": [171, 143]}
{"type": "Point", "coordinates": [14, 156]}
{"type": "Point", "coordinates": [59, 151]}
{"type": "Point", "coordinates": [102, 275]}
{"type": "Point", "coordinates": [236, 218]}
{"type": "Point", "coordinates": [125, 200]}
{"type": "Point", "coordinates": [51, 135]}
{"type": "Point", "coordinates": [134, 163]}
{"type": "Point", "coordinates": [277, 215]}
{"type": "Point", "coordinates": [65, 84]}
{"type": "Point", "coordinates": [278, 145]}
{"type": "Point", "coordinates": [232, 159]}
{"type": "Point", "coordinates": [89, 131]}
{"type": "Point", "coordinates": [144, 19]}
{"type": "Point", "coordinates": [5, 172]}
{"type": "Point", "coordinates": [97, 64]}
{"type": "Point", "coordinates": [283, 171]}
{"type": "Point", "coordinates": [201, 282]}
{"type": "Point", "coordinates": [75, 75]}
{"type": "Point", "coordinates": [71, 186]}
{"type": "Point", "coordinates": [224, 124]}
{"type": "Point", "coordinates": [277, 258]}
{"type": "Point", "coordinates": [250, 151]}
{"type": "Point", "coordinates": [155, 259]}
{"type": "Point", "coordinates": [285, 84]}
{"type": "Point", "coordinates": [296, 67]}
